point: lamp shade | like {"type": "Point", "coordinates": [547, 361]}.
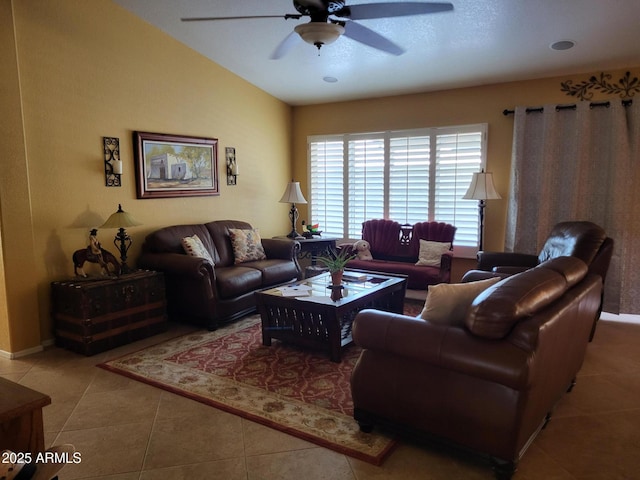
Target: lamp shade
{"type": "Point", "coordinates": [120, 219]}
{"type": "Point", "coordinates": [482, 188]}
{"type": "Point", "coordinates": [292, 194]}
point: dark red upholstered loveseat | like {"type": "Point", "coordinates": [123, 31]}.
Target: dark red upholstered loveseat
{"type": "Point", "coordinates": [395, 249]}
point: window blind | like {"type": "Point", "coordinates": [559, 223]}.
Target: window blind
{"type": "Point", "coordinates": [409, 176]}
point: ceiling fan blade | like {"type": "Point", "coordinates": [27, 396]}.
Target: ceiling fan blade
{"type": "Point", "coordinates": [365, 35]}
{"type": "Point", "coordinates": [210, 19]}
{"type": "Point", "coordinates": [285, 45]}
{"type": "Point", "coordinates": [387, 10]}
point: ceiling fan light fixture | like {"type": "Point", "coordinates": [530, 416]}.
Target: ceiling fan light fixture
{"type": "Point", "coordinates": [319, 34]}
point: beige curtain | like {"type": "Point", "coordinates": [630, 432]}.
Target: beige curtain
{"type": "Point", "coordinates": [580, 164]}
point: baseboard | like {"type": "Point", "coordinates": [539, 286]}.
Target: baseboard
{"type": "Point", "coordinates": [622, 318]}
{"type": "Point", "coordinates": [22, 353]}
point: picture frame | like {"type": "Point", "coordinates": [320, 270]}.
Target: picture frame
{"type": "Point", "coordinates": [169, 165]}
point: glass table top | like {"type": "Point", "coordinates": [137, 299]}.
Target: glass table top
{"type": "Point", "coordinates": [319, 289]}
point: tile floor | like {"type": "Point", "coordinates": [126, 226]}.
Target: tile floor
{"type": "Point", "coordinates": [126, 430]}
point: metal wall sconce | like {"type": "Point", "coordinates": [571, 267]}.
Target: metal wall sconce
{"type": "Point", "coordinates": [112, 163]}
{"type": "Point", "coordinates": [232, 165]}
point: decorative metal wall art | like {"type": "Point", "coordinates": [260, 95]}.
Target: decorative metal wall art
{"type": "Point", "coordinates": [232, 165]}
{"type": "Point", "coordinates": [112, 163]}
{"type": "Point", "coordinates": [626, 87]}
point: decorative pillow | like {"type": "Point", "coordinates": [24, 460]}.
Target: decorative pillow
{"type": "Point", "coordinates": [193, 246]}
{"type": "Point", "coordinates": [431, 252]}
{"type": "Point", "coordinates": [447, 303]}
{"type": "Point", "coordinates": [363, 250]}
{"type": "Point", "coordinates": [247, 245]}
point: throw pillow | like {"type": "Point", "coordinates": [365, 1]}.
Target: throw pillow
{"type": "Point", "coordinates": [447, 303]}
{"type": "Point", "coordinates": [193, 246]}
{"type": "Point", "coordinates": [247, 245]}
{"type": "Point", "coordinates": [431, 252]}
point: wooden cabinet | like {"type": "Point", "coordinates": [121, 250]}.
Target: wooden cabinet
{"type": "Point", "coordinates": [21, 428]}
{"type": "Point", "coordinates": [91, 316]}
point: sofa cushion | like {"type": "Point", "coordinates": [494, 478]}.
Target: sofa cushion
{"type": "Point", "coordinates": [274, 271]}
{"type": "Point", "coordinates": [237, 280]}
{"type": "Point", "coordinates": [494, 312]}
{"type": "Point", "coordinates": [433, 231]}
{"type": "Point", "coordinates": [219, 233]}
{"type": "Point", "coordinates": [383, 237]}
{"type": "Point", "coordinates": [431, 252]}
{"type": "Point", "coordinates": [447, 303]}
{"type": "Point", "coordinates": [193, 246]}
{"type": "Point", "coordinates": [247, 245]}
{"type": "Point", "coordinates": [169, 239]}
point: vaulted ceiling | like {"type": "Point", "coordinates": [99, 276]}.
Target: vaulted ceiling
{"type": "Point", "coordinates": [478, 42]}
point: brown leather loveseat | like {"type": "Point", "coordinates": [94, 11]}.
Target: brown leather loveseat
{"type": "Point", "coordinates": [212, 294]}
{"type": "Point", "coordinates": [488, 384]}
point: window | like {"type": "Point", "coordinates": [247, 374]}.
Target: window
{"type": "Point", "coordinates": [408, 176]}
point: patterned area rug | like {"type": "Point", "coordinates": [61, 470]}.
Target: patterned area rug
{"type": "Point", "coordinates": [293, 390]}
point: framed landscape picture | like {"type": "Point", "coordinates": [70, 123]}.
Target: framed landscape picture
{"type": "Point", "coordinates": [175, 166]}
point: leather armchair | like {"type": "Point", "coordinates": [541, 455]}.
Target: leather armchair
{"type": "Point", "coordinates": [489, 384]}
{"type": "Point", "coordinates": [584, 240]}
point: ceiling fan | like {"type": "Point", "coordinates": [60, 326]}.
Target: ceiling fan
{"type": "Point", "coordinates": [332, 18]}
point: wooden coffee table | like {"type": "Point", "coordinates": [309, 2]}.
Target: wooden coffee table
{"type": "Point", "coordinates": [312, 314]}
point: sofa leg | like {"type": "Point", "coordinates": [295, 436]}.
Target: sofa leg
{"type": "Point", "coordinates": [365, 427]}
{"type": "Point", "coordinates": [503, 470]}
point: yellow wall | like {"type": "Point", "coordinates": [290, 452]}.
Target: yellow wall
{"type": "Point", "coordinates": [73, 72]}
{"type": "Point", "coordinates": [483, 104]}
{"type": "Point", "coordinates": [86, 70]}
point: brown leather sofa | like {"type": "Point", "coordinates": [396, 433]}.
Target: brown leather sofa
{"type": "Point", "coordinates": [200, 292]}
{"type": "Point", "coordinates": [488, 386]}
{"type": "Point", "coordinates": [584, 240]}
{"type": "Point", "coordinates": [395, 249]}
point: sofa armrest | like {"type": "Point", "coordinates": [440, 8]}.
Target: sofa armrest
{"type": "Point", "coordinates": [446, 347]}
{"type": "Point", "coordinates": [445, 265]}
{"type": "Point", "coordinates": [509, 269]}
{"type": "Point", "coordinates": [177, 264]}
{"type": "Point", "coordinates": [488, 260]}
{"type": "Point", "coordinates": [281, 248]}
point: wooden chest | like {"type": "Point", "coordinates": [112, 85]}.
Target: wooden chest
{"type": "Point", "coordinates": [91, 316]}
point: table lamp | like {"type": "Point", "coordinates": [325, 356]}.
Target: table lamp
{"type": "Point", "coordinates": [122, 241]}
{"type": "Point", "coordinates": [293, 195]}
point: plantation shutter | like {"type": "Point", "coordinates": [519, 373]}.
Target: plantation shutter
{"type": "Point", "coordinates": [409, 159]}
{"type": "Point", "coordinates": [408, 176]}
{"type": "Point", "coordinates": [327, 186]}
{"type": "Point", "coordinates": [366, 182]}
{"type": "Point", "coordinates": [458, 155]}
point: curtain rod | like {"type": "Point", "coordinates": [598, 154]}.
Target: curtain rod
{"type": "Point", "coordinates": [625, 103]}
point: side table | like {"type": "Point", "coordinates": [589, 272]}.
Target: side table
{"type": "Point", "coordinates": [311, 249]}
{"type": "Point", "coordinates": [21, 428]}
{"type": "Point", "coordinates": [94, 315]}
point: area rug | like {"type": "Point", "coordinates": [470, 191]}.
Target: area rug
{"type": "Point", "coordinates": [287, 388]}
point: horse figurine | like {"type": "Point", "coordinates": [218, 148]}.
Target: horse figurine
{"type": "Point", "coordinates": [94, 253]}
